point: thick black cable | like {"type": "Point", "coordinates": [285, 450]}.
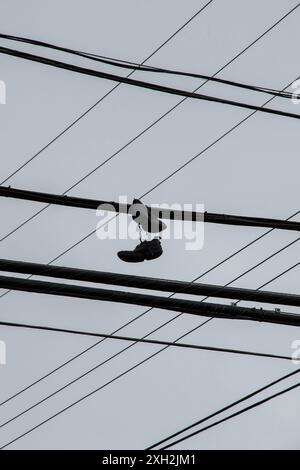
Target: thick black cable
{"type": "Point", "coordinates": [141, 83]}
{"type": "Point", "coordinates": [198, 308]}
{"type": "Point", "coordinates": [146, 68]}
{"type": "Point", "coordinates": [225, 408]}
{"type": "Point", "coordinates": [149, 283]}
{"type": "Point", "coordinates": [162, 213]}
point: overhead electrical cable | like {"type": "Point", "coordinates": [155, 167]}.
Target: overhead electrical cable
{"type": "Point", "coordinates": [164, 303]}
{"type": "Point", "coordinates": [233, 415]}
{"type": "Point", "coordinates": [146, 68]}
{"type": "Point", "coordinates": [149, 283]}
{"type": "Point", "coordinates": [144, 341]}
{"type": "Point", "coordinates": [142, 84]}
{"type": "Point", "coordinates": [225, 408]}
{"type": "Point", "coordinates": [162, 213]}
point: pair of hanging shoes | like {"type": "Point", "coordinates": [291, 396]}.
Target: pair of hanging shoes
{"type": "Point", "coordinates": [146, 250]}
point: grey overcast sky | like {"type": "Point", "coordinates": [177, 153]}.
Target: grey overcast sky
{"type": "Point", "coordinates": [254, 170]}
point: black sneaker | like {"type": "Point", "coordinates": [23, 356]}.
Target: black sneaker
{"type": "Point", "coordinates": [147, 250]}
{"type": "Point", "coordinates": [141, 215]}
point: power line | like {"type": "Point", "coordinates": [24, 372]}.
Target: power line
{"type": "Point", "coordinates": [146, 68]}
{"type": "Point", "coordinates": [233, 415]}
{"type": "Point", "coordinates": [150, 283]}
{"type": "Point", "coordinates": [164, 303]}
{"type": "Point", "coordinates": [225, 408]}
{"type": "Point", "coordinates": [144, 340]}
{"type": "Point", "coordinates": [162, 213]}
{"type": "Point", "coordinates": [142, 84]}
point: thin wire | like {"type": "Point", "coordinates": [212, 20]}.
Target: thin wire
{"type": "Point", "coordinates": [225, 408]}
{"type": "Point", "coordinates": [233, 415]}
{"type": "Point", "coordinates": [142, 340]}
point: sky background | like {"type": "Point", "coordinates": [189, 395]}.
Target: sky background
{"type": "Point", "coordinates": [253, 171]}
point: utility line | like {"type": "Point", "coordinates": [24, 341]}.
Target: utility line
{"type": "Point", "coordinates": [225, 408]}
{"type": "Point", "coordinates": [146, 68]}
{"type": "Point", "coordinates": [143, 340]}
{"type": "Point", "coordinates": [142, 84]}
{"type": "Point", "coordinates": [233, 415]}
{"type": "Point", "coordinates": [164, 303]}
{"type": "Point", "coordinates": [161, 213]}
{"type": "Point", "coordinates": [150, 283]}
